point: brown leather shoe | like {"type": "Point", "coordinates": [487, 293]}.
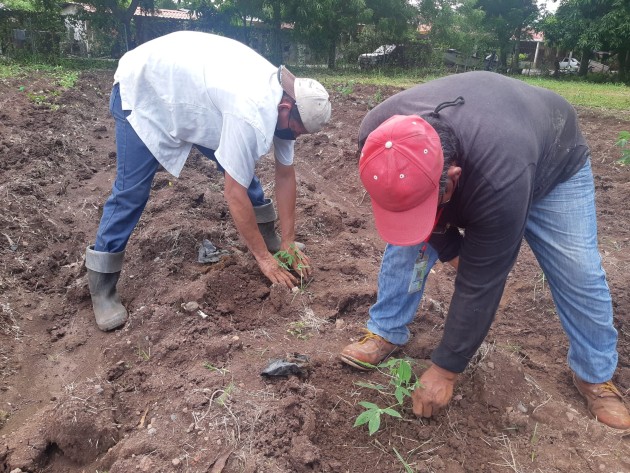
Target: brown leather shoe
{"type": "Point", "coordinates": [605, 402]}
{"type": "Point", "coordinates": [368, 352]}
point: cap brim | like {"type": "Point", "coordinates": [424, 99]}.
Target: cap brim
{"type": "Point", "coordinates": [406, 228]}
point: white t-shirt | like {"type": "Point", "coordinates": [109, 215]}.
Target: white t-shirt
{"type": "Point", "coordinates": [190, 88]}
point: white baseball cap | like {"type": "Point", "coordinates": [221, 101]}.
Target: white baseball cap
{"type": "Point", "coordinates": [312, 102]}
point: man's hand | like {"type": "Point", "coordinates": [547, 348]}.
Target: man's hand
{"type": "Point", "coordinates": [435, 392]}
{"type": "Point", "coordinates": [245, 221]}
{"type": "Point", "coordinates": [276, 273]}
{"type": "Point", "coordinates": [300, 263]}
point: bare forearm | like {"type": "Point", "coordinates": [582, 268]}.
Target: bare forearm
{"type": "Point", "coordinates": [243, 216]}
{"type": "Point", "coordinates": [454, 262]}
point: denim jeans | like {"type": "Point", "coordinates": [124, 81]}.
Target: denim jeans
{"type": "Point", "coordinates": [562, 232]}
{"type": "Point", "coordinates": [135, 169]}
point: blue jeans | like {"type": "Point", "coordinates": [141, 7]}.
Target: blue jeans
{"type": "Point", "coordinates": [561, 230]}
{"type": "Point", "coordinates": [135, 169]}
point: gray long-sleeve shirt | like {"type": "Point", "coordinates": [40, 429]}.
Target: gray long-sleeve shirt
{"type": "Point", "coordinates": [517, 143]}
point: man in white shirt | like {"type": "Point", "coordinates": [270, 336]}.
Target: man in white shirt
{"type": "Point", "coordinates": [190, 89]}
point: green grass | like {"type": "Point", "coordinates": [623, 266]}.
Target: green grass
{"type": "Point", "coordinates": [587, 94]}
{"type": "Point", "coordinates": [607, 96]}
{"type": "Point", "coordinates": [60, 67]}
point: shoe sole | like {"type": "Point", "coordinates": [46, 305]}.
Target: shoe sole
{"type": "Point", "coordinates": [360, 365]}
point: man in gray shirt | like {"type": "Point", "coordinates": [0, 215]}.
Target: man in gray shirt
{"type": "Point", "coordinates": [461, 169]}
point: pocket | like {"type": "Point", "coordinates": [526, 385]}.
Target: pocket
{"type": "Point", "coordinates": [112, 98]}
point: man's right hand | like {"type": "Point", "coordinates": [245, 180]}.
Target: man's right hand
{"type": "Point", "coordinates": [276, 273]}
{"type": "Point", "coordinates": [435, 391]}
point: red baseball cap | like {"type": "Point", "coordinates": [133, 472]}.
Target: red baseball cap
{"type": "Point", "coordinates": [400, 167]}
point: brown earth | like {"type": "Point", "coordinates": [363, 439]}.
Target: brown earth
{"type": "Point", "coordinates": [178, 390]}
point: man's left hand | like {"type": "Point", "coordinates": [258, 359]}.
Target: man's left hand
{"type": "Point", "coordinates": [435, 391]}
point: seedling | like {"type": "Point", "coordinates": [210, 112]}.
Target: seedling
{"type": "Point", "coordinates": [225, 395]}
{"type": "Point", "coordinates": [402, 382]}
{"type": "Point", "coordinates": [347, 88]}
{"type": "Point", "coordinates": [286, 260]}
{"type": "Point", "coordinates": [624, 143]}
{"type": "Point", "coordinates": [211, 367]}
{"type": "Point", "coordinates": [372, 416]}
{"type": "Point", "coordinates": [298, 330]}
{"type": "Point", "coordinates": [144, 354]}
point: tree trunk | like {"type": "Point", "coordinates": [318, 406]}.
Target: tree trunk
{"type": "Point", "coordinates": [624, 65]}
{"type": "Point", "coordinates": [332, 55]}
{"type": "Point", "coordinates": [584, 61]}
{"type": "Point", "coordinates": [515, 67]}
{"type": "Point", "coordinates": [276, 40]}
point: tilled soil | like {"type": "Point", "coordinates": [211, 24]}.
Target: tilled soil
{"type": "Point", "coordinates": [179, 387]}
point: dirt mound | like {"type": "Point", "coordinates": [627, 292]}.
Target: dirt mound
{"type": "Point", "coordinates": [179, 388]}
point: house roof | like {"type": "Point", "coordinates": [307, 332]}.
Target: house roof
{"type": "Point", "coordinates": [157, 13]}
{"type": "Point", "coordinates": [165, 13]}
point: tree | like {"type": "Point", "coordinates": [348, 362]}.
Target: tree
{"type": "Point", "coordinates": [458, 25]}
{"type": "Point", "coordinates": [321, 24]}
{"type": "Point", "coordinates": [508, 19]}
{"type": "Point", "coordinates": [592, 25]}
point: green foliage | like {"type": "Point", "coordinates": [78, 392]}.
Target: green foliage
{"type": "Point", "coordinates": [287, 260]}
{"type": "Point", "coordinates": [372, 416]}
{"type": "Point", "coordinates": [224, 395]}
{"type": "Point", "coordinates": [299, 330]}
{"type": "Point", "coordinates": [457, 24]}
{"type": "Point", "coordinates": [41, 32]}
{"type": "Point", "coordinates": [591, 25]}
{"type": "Point", "coordinates": [624, 143]}
{"type": "Point", "coordinates": [346, 88]}
{"type": "Point", "coordinates": [402, 382]}
{"type": "Point", "coordinates": [23, 5]}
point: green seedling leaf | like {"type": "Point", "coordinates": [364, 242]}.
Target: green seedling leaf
{"type": "Point", "coordinates": [375, 423]}
{"type": "Point", "coordinates": [402, 381]}
{"type": "Point", "coordinates": [400, 394]}
{"type": "Point", "coordinates": [368, 405]}
{"type": "Point", "coordinates": [364, 418]}
{"type": "Point", "coordinates": [404, 372]}
{"type": "Point", "coordinates": [389, 363]}
{"type": "Point", "coordinates": [392, 412]}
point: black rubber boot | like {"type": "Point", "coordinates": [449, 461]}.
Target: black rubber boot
{"type": "Point", "coordinates": [103, 273]}
{"type": "Point", "coordinates": [266, 220]}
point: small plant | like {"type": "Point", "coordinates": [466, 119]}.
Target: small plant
{"type": "Point", "coordinates": [144, 354]}
{"type": "Point", "coordinates": [286, 259]}
{"type": "Point", "coordinates": [372, 416]}
{"type": "Point", "coordinates": [347, 88]}
{"type": "Point", "coordinates": [402, 381]}
{"type": "Point", "coordinates": [624, 143]}
{"type": "Point", "coordinates": [211, 367]}
{"type": "Point", "coordinates": [298, 330]}
{"type": "Point", "coordinates": [68, 79]}
{"type": "Point", "coordinates": [225, 395]}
